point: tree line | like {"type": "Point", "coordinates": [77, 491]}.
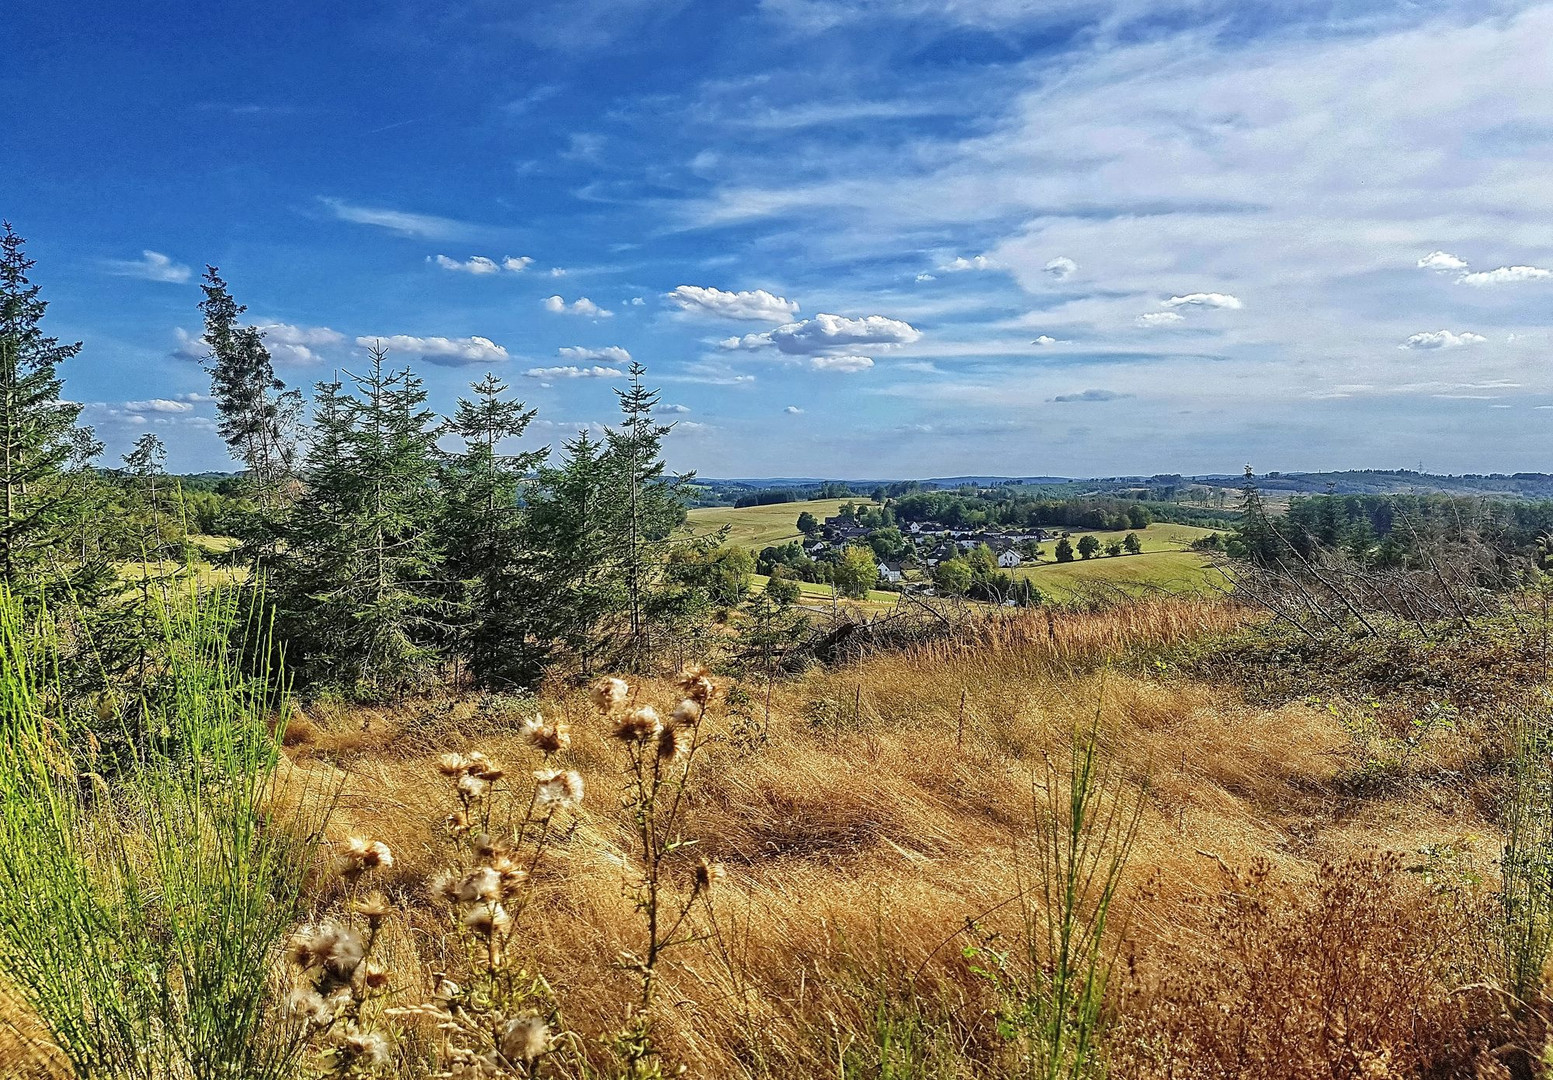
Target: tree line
{"type": "Point", "coordinates": [381, 560]}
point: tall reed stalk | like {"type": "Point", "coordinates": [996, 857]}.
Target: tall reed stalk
{"type": "Point", "coordinates": [1526, 897]}
{"type": "Point", "coordinates": [140, 920]}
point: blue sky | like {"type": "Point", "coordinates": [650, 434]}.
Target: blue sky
{"type": "Point", "coordinates": [847, 237]}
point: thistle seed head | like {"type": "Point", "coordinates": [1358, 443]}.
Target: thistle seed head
{"type": "Point", "coordinates": [610, 694]}
{"type": "Point", "coordinates": [555, 787]}
{"type": "Point", "coordinates": [639, 725]}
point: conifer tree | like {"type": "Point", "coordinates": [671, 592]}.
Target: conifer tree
{"type": "Point", "coordinates": [485, 557]}
{"type": "Point", "coordinates": [47, 540]}
{"type": "Point", "coordinates": [571, 530]}
{"type": "Point", "coordinates": [649, 507]}
{"type": "Point", "coordinates": [354, 585]}
{"type": "Point", "coordinates": [258, 413]}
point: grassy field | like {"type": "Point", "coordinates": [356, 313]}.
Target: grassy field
{"type": "Point", "coordinates": [761, 526]}
{"type": "Point", "coordinates": [811, 593]}
{"type": "Point", "coordinates": [1166, 563]}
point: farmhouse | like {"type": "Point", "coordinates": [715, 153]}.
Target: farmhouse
{"type": "Point", "coordinates": [1009, 559]}
{"type": "Point", "coordinates": [890, 572]}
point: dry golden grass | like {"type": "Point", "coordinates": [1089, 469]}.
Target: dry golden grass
{"type": "Point", "coordinates": [892, 802]}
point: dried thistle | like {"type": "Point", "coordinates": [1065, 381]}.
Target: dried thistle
{"type": "Point", "coordinates": [610, 694]}
{"type": "Point", "coordinates": [695, 685]}
{"type": "Point", "coordinates": [359, 854]}
{"type": "Point", "coordinates": [546, 738]}
{"type": "Point", "coordinates": [639, 725]}
{"type": "Point", "coordinates": [374, 908]}
{"type": "Point", "coordinates": [555, 787]}
{"type": "Point", "coordinates": [525, 1039]}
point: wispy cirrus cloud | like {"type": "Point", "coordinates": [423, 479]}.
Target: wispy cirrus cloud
{"type": "Point", "coordinates": [151, 266]}
{"type": "Point", "coordinates": [401, 222]}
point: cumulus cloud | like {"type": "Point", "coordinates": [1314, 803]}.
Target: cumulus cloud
{"type": "Point", "coordinates": [1092, 395]}
{"type": "Point", "coordinates": [151, 266]}
{"type": "Point", "coordinates": [673, 408]}
{"type": "Point", "coordinates": [289, 344]}
{"type": "Point", "coordinates": [158, 405]}
{"type": "Point", "coordinates": [636, 301]}
{"type": "Point", "coordinates": [610, 354]}
{"type": "Point", "coordinates": [190, 346]}
{"type": "Point", "coordinates": [926, 277]}
{"type": "Point", "coordinates": [792, 410]}
{"type": "Point", "coordinates": [960, 264]}
{"type": "Point", "coordinates": [1061, 267]}
{"type": "Point", "coordinates": [1442, 339]}
{"type": "Point", "coordinates": [479, 264]}
{"type": "Point", "coordinates": [1160, 318]}
{"type": "Point", "coordinates": [1206, 300]}
{"type": "Point", "coordinates": [829, 335]}
{"type": "Point", "coordinates": [449, 352]}
{"type": "Point", "coordinates": [1441, 261]}
{"type": "Point", "coordinates": [752, 305]}
{"type": "Point", "coordinates": [573, 372]}
{"type": "Point", "coordinates": [1505, 275]}
{"type": "Point", "coordinates": [580, 306]}
{"type": "Point", "coordinates": [1044, 339]}
{"type": "Point", "coordinates": [845, 363]}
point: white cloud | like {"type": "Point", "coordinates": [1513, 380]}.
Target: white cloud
{"type": "Point", "coordinates": [829, 334]}
{"type": "Point", "coordinates": [190, 346]}
{"type": "Point", "coordinates": [673, 408]}
{"type": "Point", "coordinates": [1092, 395]}
{"type": "Point", "coordinates": [158, 405]}
{"type": "Point", "coordinates": [1505, 275]}
{"type": "Point", "coordinates": [793, 410]}
{"type": "Point", "coordinates": [1205, 299]}
{"type": "Point", "coordinates": [926, 277]}
{"type": "Point", "coordinates": [753, 305]}
{"type": "Point", "coordinates": [573, 372]}
{"type": "Point", "coordinates": [451, 352]}
{"type": "Point", "coordinates": [1044, 339]}
{"type": "Point", "coordinates": [1442, 339]}
{"type": "Point", "coordinates": [557, 271]}
{"type": "Point", "coordinates": [151, 266]}
{"type": "Point", "coordinates": [1160, 318]}
{"type": "Point", "coordinates": [611, 354]}
{"type": "Point", "coordinates": [847, 363]}
{"type": "Point", "coordinates": [1441, 261]}
{"type": "Point", "coordinates": [960, 264]}
{"type": "Point", "coordinates": [424, 226]}
{"type": "Point", "coordinates": [1061, 268]}
{"type": "Point", "coordinates": [289, 344]}
{"type": "Point", "coordinates": [479, 264]}
{"type": "Point", "coordinates": [475, 264]}
{"type": "Point", "coordinates": [636, 301]}
{"type": "Point", "coordinates": [581, 306]}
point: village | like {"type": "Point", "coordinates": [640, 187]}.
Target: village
{"type": "Point", "coordinates": [926, 544]}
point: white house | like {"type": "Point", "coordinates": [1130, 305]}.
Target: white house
{"type": "Point", "coordinates": [1009, 559]}
{"type": "Point", "coordinates": [889, 573]}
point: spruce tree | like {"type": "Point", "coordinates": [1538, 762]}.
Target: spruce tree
{"type": "Point", "coordinates": [485, 557]}
{"type": "Point", "coordinates": [355, 583]}
{"type": "Point", "coordinates": [572, 532]}
{"type": "Point", "coordinates": [258, 414]}
{"type": "Point", "coordinates": [649, 508]}
{"type": "Point", "coordinates": [48, 540]}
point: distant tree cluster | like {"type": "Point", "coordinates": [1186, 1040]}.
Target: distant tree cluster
{"type": "Point", "coordinates": [384, 560]}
